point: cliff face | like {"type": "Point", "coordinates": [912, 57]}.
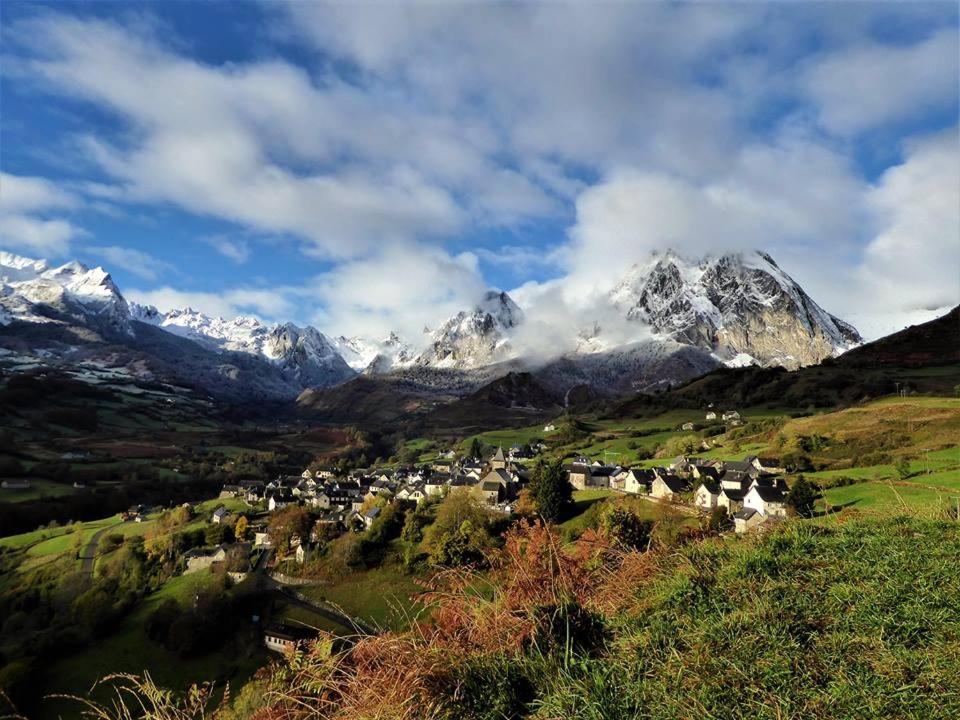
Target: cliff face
{"type": "Point", "coordinates": [741, 307]}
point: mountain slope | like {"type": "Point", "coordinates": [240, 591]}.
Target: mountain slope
{"type": "Point", "coordinates": [474, 338]}
{"type": "Point", "coordinates": [71, 294]}
{"type": "Point", "coordinates": [936, 342]}
{"type": "Point", "coordinates": [303, 352]}
{"type": "Point", "coordinates": [741, 306]}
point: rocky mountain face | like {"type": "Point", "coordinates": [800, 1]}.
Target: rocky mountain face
{"type": "Point", "coordinates": [304, 353]}
{"type": "Point", "coordinates": [680, 318]}
{"type": "Point", "coordinates": [475, 338]}
{"type": "Point", "coordinates": [73, 313]}
{"type": "Point", "coordinates": [71, 295]}
{"type": "Point", "coordinates": [741, 307]}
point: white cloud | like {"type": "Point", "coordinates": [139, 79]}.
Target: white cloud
{"type": "Point", "coordinates": [913, 261]}
{"type": "Point", "coordinates": [657, 124]}
{"type": "Point", "coordinates": [136, 262]}
{"type": "Point", "coordinates": [25, 206]}
{"type": "Point", "coordinates": [236, 250]}
{"type": "Point", "coordinates": [793, 196]}
{"type": "Point", "coordinates": [871, 84]}
{"type": "Point", "coordinates": [266, 304]}
{"type": "Point", "coordinates": [401, 288]}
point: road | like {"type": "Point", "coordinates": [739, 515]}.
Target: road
{"type": "Point", "coordinates": [325, 610]}
{"type": "Point", "coordinates": [89, 554]}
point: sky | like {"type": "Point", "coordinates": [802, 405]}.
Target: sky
{"type": "Point", "coordinates": [368, 167]}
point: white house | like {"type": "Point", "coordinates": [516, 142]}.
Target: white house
{"type": "Point", "coordinates": [731, 415]}
{"type": "Point", "coordinates": [707, 496]}
{"type": "Point", "coordinates": [219, 515]}
{"type": "Point", "coordinates": [767, 500]}
{"type": "Point", "coordinates": [639, 482]}
{"type": "Point", "coordinates": [549, 428]}
{"type": "Point", "coordinates": [711, 415]}
{"type": "Point", "coordinates": [667, 487]}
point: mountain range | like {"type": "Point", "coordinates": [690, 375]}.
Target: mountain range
{"type": "Point", "coordinates": [673, 318]}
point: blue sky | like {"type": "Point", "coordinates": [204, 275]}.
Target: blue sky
{"type": "Point", "coordinates": [367, 167]}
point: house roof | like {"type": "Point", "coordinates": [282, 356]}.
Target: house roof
{"type": "Point", "coordinates": [709, 471]}
{"type": "Point", "coordinates": [770, 493]}
{"type": "Point", "coordinates": [675, 483]}
{"type": "Point", "coordinates": [373, 513]}
{"type": "Point", "coordinates": [712, 488]}
{"type": "Point", "coordinates": [744, 514]}
{"type": "Point", "coordinates": [490, 486]}
{"type": "Point", "coordinates": [738, 466]}
{"type": "Point", "coordinates": [735, 495]}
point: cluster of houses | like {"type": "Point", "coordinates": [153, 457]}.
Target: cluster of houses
{"type": "Point", "coordinates": [340, 501]}
{"type": "Point", "coordinates": [752, 490]}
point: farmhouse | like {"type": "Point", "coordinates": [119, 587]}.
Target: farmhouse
{"type": "Point", "coordinates": [707, 496]}
{"type": "Point", "coordinates": [284, 638]}
{"type": "Point", "coordinates": [219, 515]}
{"type": "Point", "coordinates": [579, 475]}
{"type": "Point", "coordinates": [767, 500]}
{"type": "Point", "coordinates": [638, 481]}
{"type": "Point", "coordinates": [746, 519]}
{"type": "Point", "coordinates": [371, 515]}
{"type": "Point", "coordinates": [667, 487]}
{"type": "Point", "coordinates": [730, 498]}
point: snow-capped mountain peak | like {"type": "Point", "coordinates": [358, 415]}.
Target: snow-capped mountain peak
{"type": "Point", "coordinates": [735, 305]}
{"type": "Point", "coordinates": [303, 351]}
{"type": "Point", "coordinates": [33, 291]}
{"type": "Point", "coordinates": [474, 338]}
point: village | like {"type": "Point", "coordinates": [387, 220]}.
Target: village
{"type": "Point", "coordinates": [751, 491]}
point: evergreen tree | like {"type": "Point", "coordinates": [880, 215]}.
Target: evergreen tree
{"type": "Point", "coordinates": [550, 489]}
{"type": "Point", "coordinates": [476, 449]}
{"type": "Point", "coordinates": [802, 496]}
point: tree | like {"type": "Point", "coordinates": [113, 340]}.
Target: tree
{"type": "Point", "coordinates": [550, 489]}
{"type": "Point", "coordinates": [524, 506]}
{"type": "Point", "coordinates": [463, 546]}
{"type": "Point", "coordinates": [240, 529]}
{"type": "Point", "coordinates": [285, 523]}
{"type": "Point", "coordinates": [458, 508]}
{"type": "Point", "coordinates": [627, 528]}
{"type": "Point", "coordinates": [802, 497]}
{"type": "Point", "coordinates": [476, 449]}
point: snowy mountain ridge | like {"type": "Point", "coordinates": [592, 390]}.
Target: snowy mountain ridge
{"type": "Point", "coordinates": [740, 306]}
{"type": "Point", "coordinates": [33, 291]}
{"type": "Point", "coordinates": [305, 351]}
{"type": "Point", "coordinates": [474, 338]}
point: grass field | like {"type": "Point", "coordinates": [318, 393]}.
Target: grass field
{"type": "Point", "coordinates": [38, 490]}
{"type": "Point", "coordinates": [382, 596]}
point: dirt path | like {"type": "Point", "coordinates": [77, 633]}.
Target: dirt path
{"type": "Point", "coordinates": [89, 554]}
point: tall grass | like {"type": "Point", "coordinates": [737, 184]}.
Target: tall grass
{"type": "Point", "coordinates": [859, 619]}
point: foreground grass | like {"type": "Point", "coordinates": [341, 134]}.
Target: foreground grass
{"type": "Point", "coordinates": [859, 620]}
